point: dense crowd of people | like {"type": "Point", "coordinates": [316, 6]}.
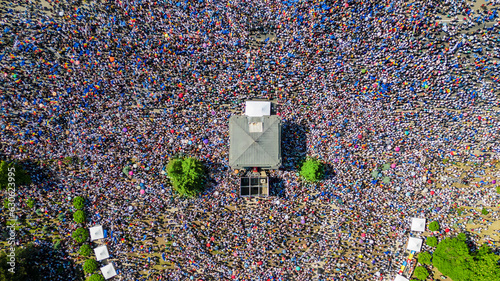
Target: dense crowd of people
{"type": "Point", "coordinates": [390, 95]}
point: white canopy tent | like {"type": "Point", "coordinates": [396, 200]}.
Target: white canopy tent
{"type": "Point", "coordinates": [101, 253]}
{"type": "Point", "coordinates": [257, 108]}
{"type": "Point", "coordinates": [414, 244]}
{"type": "Point", "coordinates": [417, 224]}
{"type": "Point", "coordinates": [400, 278]}
{"type": "Point", "coordinates": [96, 233]}
{"type": "Point", "coordinates": [108, 271]}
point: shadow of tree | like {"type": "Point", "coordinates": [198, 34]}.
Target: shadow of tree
{"type": "Point", "coordinates": [294, 146]}
{"type": "Point", "coordinates": [31, 263]}
{"type": "Point", "coordinates": [276, 187]}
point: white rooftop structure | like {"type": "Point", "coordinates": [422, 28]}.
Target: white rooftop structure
{"type": "Point", "coordinates": [101, 253]}
{"type": "Point", "coordinates": [96, 233]}
{"type": "Point", "coordinates": [417, 224]}
{"type": "Point", "coordinates": [414, 244]}
{"type": "Point", "coordinates": [108, 271]}
{"type": "Point", "coordinates": [257, 108]}
{"type": "Point", "coordinates": [400, 278]}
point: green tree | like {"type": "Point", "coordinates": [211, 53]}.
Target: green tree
{"type": "Point", "coordinates": [17, 172]}
{"type": "Point", "coordinates": [79, 216]}
{"type": "Point", "coordinates": [453, 259]}
{"type": "Point", "coordinates": [67, 160]}
{"type": "Point", "coordinates": [484, 211]}
{"type": "Point", "coordinates": [187, 176]}
{"type": "Point", "coordinates": [312, 170]}
{"type": "Point", "coordinates": [80, 235]}
{"type": "Point", "coordinates": [6, 204]}
{"type": "Point", "coordinates": [90, 266]}
{"type": "Point", "coordinates": [498, 189]}
{"type": "Point", "coordinates": [96, 277]}
{"type": "Point", "coordinates": [30, 203]}
{"type": "Point", "coordinates": [85, 250]}
{"type": "Point", "coordinates": [61, 216]}
{"type": "Point", "coordinates": [57, 245]}
{"type": "Point", "coordinates": [25, 267]}
{"type": "Point", "coordinates": [78, 202]}
{"type": "Point", "coordinates": [431, 241]}
{"type": "Point", "coordinates": [462, 237]}
{"type": "Point", "coordinates": [420, 273]}
{"type": "Point", "coordinates": [434, 226]}
{"type": "Point", "coordinates": [424, 258]}
{"type": "Point", "coordinates": [485, 264]}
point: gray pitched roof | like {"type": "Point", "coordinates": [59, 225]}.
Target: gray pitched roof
{"type": "Point", "coordinates": [255, 149]}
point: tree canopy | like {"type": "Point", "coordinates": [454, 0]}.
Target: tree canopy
{"type": "Point", "coordinates": [312, 170]}
{"type": "Point", "coordinates": [454, 259]}
{"type": "Point", "coordinates": [420, 273]}
{"type": "Point", "coordinates": [424, 258]}
{"type": "Point", "coordinates": [187, 176]}
{"type": "Point", "coordinates": [79, 216]}
{"type": "Point", "coordinates": [85, 250]}
{"type": "Point", "coordinates": [431, 241]}
{"type": "Point", "coordinates": [20, 176]}
{"type": "Point", "coordinates": [95, 277]}
{"type": "Point", "coordinates": [80, 235]}
{"type": "Point", "coordinates": [434, 226]}
{"type": "Point", "coordinates": [78, 202]}
{"type": "Point", "coordinates": [90, 266]}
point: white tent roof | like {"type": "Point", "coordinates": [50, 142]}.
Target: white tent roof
{"type": "Point", "coordinates": [414, 244]}
{"type": "Point", "coordinates": [108, 271]}
{"type": "Point", "coordinates": [96, 233]}
{"type": "Point", "coordinates": [400, 278]}
{"type": "Point", "coordinates": [257, 108]}
{"type": "Point", "coordinates": [417, 224]}
{"type": "Point", "coordinates": [101, 253]}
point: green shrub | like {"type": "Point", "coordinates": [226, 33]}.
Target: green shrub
{"type": "Point", "coordinates": [96, 277]}
{"type": "Point", "coordinates": [312, 170]}
{"type": "Point", "coordinates": [67, 160]}
{"type": "Point", "coordinates": [434, 226]}
{"type": "Point", "coordinates": [420, 273]}
{"type": "Point", "coordinates": [61, 216]}
{"type": "Point", "coordinates": [6, 204]}
{"type": "Point", "coordinates": [30, 203]}
{"type": "Point", "coordinates": [484, 211]}
{"type": "Point", "coordinates": [90, 266]}
{"type": "Point", "coordinates": [431, 241]}
{"type": "Point", "coordinates": [498, 189]}
{"type": "Point", "coordinates": [85, 250]}
{"type": "Point", "coordinates": [78, 202]}
{"type": "Point", "coordinates": [424, 258]}
{"type": "Point", "coordinates": [45, 228]}
{"type": "Point", "coordinates": [80, 235]}
{"type": "Point", "coordinates": [57, 245]}
{"type": "Point", "coordinates": [187, 176]}
{"type": "Point", "coordinates": [79, 216]}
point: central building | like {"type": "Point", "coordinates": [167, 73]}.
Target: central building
{"type": "Point", "coordinates": [255, 143]}
{"type": "Point", "coordinates": [255, 138]}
